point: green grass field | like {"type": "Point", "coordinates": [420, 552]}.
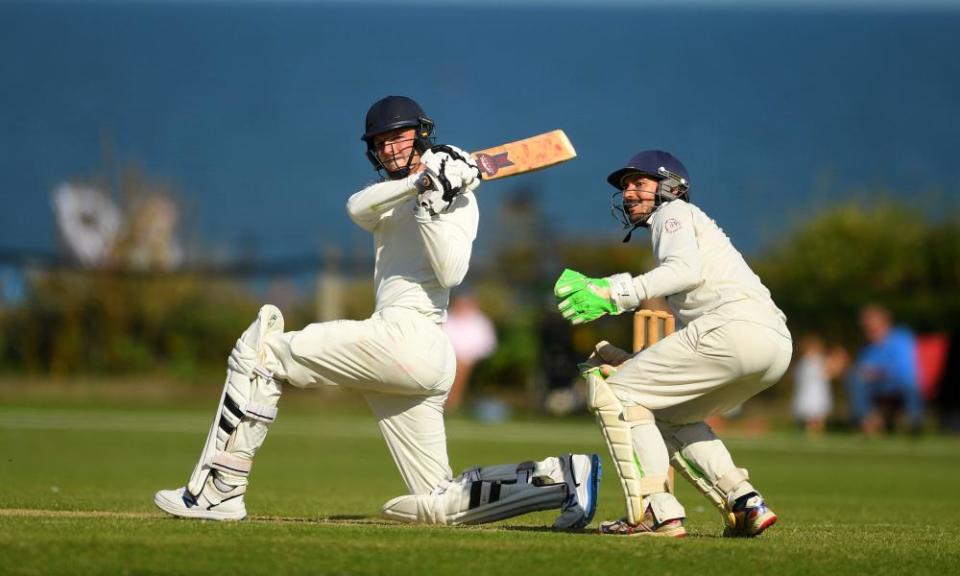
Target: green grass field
{"type": "Point", "coordinates": [77, 481]}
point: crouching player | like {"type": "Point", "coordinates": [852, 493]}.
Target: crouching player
{"type": "Point", "coordinates": [423, 216]}
{"type": "Point", "coordinates": [651, 406]}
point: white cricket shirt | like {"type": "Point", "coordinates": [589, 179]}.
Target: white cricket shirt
{"type": "Point", "coordinates": [698, 269]}
{"type": "Point", "coordinates": [419, 257]}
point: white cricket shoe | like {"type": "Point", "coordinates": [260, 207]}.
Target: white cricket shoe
{"type": "Point", "coordinates": [581, 472]}
{"type": "Point", "coordinates": [212, 504]}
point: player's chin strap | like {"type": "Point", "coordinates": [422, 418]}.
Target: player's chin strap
{"type": "Point", "coordinates": [622, 215]}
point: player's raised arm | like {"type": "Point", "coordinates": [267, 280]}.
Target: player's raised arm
{"type": "Point", "coordinates": [447, 215]}
{"type": "Point", "coordinates": [368, 205]}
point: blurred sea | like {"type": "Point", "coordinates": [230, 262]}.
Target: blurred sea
{"type": "Point", "coordinates": [253, 111]}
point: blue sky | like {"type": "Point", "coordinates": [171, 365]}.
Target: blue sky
{"type": "Point", "coordinates": [865, 4]}
{"type": "Point", "coordinates": [776, 115]}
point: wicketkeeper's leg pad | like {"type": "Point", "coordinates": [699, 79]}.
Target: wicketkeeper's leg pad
{"type": "Point", "coordinates": [653, 464]}
{"type": "Point", "coordinates": [248, 405]}
{"type": "Point", "coordinates": [616, 432]}
{"type": "Point", "coordinates": [606, 357]}
{"type": "Point", "coordinates": [620, 426]}
{"type": "Point", "coordinates": [487, 494]}
{"type": "Point", "coordinates": [704, 461]}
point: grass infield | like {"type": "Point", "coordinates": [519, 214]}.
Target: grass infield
{"type": "Point", "coordinates": [77, 482]}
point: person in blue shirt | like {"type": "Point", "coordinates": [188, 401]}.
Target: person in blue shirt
{"type": "Point", "coordinates": [885, 376]}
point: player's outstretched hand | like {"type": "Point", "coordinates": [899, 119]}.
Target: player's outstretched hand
{"type": "Point", "coordinates": [581, 299]}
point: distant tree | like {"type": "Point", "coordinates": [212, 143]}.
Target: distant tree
{"type": "Point", "coordinates": [823, 272]}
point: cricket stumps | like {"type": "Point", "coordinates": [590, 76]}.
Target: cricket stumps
{"type": "Point", "coordinates": [649, 327]}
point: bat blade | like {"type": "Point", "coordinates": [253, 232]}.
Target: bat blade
{"type": "Point", "coordinates": [527, 155]}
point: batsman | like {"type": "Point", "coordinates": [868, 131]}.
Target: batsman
{"type": "Point", "coordinates": [423, 216]}
{"type": "Point", "coordinates": [734, 343]}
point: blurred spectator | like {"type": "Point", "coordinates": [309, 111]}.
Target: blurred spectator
{"type": "Point", "coordinates": [885, 377]}
{"type": "Point", "coordinates": [13, 286]}
{"type": "Point", "coordinates": [473, 338]}
{"type": "Point", "coordinates": [813, 399]}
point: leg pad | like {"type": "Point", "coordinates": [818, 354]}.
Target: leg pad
{"type": "Point", "coordinates": [654, 485]}
{"type": "Point", "coordinates": [247, 405]}
{"type": "Point", "coordinates": [616, 432]}
{"type": "Point", "coordinates": [482, 495]}
{"type": "Point", "coordinates": [231, 464]}
{"type": "Point", "coordinates": [732, 479]}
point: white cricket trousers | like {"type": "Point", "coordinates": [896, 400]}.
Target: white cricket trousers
{"type": "Point", "coordinates": [709, 367]}
{"type": "Point", "coordinates": [403, 364]}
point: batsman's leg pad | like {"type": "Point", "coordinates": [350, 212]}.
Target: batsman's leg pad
{"type": "Point", "coordinates": [581, 474]}
{"type": "Point", "coordinates": [487, 494]}
{"type": "Point", "coordinates": [248, 405]}
{"type": "Point", "coordinates": [700, 457]}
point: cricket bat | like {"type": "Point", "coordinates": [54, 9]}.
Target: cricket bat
{"type": "Point", "coordinates": [534, 153]}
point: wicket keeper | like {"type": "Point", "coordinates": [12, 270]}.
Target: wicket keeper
{"type": "Point", "coordinates": [423, 216]}
{"type": "Point", "coordinates": [734, 343]}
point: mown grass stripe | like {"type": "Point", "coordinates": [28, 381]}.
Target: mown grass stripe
{"type": "Point", "coordinates": [572, 434]}
{"type": "Point", "coordinates": [40, 513]}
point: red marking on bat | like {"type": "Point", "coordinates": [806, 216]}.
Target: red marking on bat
{"type": "Point", "coordinates": [490, 165]}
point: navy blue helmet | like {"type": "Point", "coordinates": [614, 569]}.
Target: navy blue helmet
{"type": "Point", "coordinates": [651, 163]}
{"type": "Point", "coordinates": [392, 113]}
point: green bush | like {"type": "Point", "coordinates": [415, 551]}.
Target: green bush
{"type": "Point", "coordinates": [104, 323]}
{"type": "Point", "coordinates": [826, 270]}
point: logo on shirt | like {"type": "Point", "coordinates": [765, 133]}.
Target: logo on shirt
{"type": "Point", "coordinates": [671, 225]}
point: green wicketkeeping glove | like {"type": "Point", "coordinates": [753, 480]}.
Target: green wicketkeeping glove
{"type": "Point", "coordinates": [581, 299]}
{"type": "Point", "coordinates": [604, 360]}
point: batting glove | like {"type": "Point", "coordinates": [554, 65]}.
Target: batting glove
{"type": "Point", "coordinates": [431, 196]}
{"type": "Point", "coordinates": [581, 299]}
{"type": "Point", "coordinates": [464, 165]}
{"type": "Point", "coordinates": [452, 169]}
